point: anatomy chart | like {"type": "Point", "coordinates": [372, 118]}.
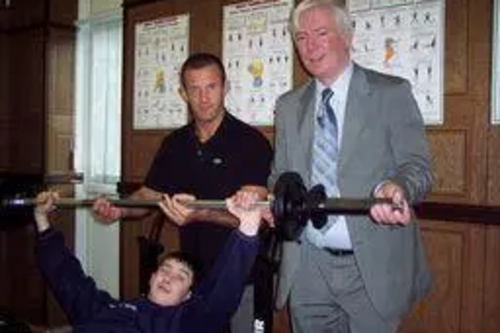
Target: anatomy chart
{"type": "Point", "coordinates": [257, 53]}
{"type": "Point", "coordinates": [404, 38]}
{"type": "Point", "coordinates": [161, 46]}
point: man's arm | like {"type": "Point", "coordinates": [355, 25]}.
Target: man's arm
{"type": "Point", "coordinates": [76, 293]}
{"type": "Point", "coordinates": [178, 212]}
{"type": "Point", "coordinates": [412, 179]}
{"type": "Point", "coordinates": [221, 290]}
{"type": "Point", "coordinates": [105, 212]}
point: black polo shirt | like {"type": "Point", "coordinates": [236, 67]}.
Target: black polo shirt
{"type": "Point", "coordinates": [236, 155]}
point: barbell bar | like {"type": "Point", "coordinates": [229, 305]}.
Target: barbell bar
{"type": "Point", "coordinates": [291, 205]}
{"type": "Point", "coordinates": [330, 205]}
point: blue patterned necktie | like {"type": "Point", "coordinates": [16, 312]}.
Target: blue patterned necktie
{"type": "Point", "coordinates": [325, 150]}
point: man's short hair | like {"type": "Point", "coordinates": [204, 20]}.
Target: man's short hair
{"type": "Point", "coordinates": [201, 60]}
{"type": "Point", "coordinates": [183, 258]}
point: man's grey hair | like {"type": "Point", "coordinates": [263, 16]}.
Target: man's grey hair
{"type": "Point", "coordinates": [337, 8]}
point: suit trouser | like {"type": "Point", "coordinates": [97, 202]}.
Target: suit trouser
{"type": "Point", "coordinates": [328, 295]}
{"type": "Point", "coordinates": [242, 320]}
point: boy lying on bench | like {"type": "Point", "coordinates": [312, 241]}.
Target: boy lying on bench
{"type": "Point", "coordinates": [173, 304]}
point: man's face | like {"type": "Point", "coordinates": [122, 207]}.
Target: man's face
{"type": "Point", "coordinates": [204, 91]}
{"type": "Point", "coordinates": [323, 50]}
{"type": "Point", "coordinates": [170, 284]}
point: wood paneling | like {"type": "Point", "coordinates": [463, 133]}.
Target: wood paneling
{"type": "Point", "coordinates": [60, 101]}
{"type": "Point", "coordinates": [439, 310]}
{"type": "Point", "coordinates": [27, 100]}
{"type": "Point", "coordinates": [493, 182]}
{"type": "Point", "coordinates": [466, 104]}
{"type": "Point", "coordinates": [22, 14]}
{"type": "Point", "coordinates": [4, 102]}
{"type": "Point", "coordinates": [449, 161]}
{"type": "Point", "coordinates": [491, 301]}
{"type": "Point", "coordinates": [62, 13]}
{"type": "Point", "coordinates": [139, 161]}
{"type": "Point", "coordinates": [61, 64]}
{"type": "Point", "coordinates": [456, 47]}
{"type": "Point", "coordinates": [36, 80]}
{"type": "Point", "coordinates": [456, 256]}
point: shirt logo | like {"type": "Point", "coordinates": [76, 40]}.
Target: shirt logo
{"type": "Point", "coordinates": [123, 305]}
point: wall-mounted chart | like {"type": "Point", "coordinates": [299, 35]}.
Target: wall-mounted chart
{"type": "Point", "coordinates": [404, 38]}
{"type": "Point", "coordinates": [161, 46]}
{"type": "Point", "coordinates": [257, 53]}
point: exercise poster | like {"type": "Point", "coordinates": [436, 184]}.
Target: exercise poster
{"type": "Point", "coordinates": [161, 46]}
{"type": "Point", "coordinates": [404, 38]}
{"type": "Point", "coordinates": [257, 54]}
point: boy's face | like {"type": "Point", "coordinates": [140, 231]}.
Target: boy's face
{"type": "Point", "coordinates": [171, 283]}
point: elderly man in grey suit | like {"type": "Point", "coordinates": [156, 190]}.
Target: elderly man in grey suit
{"type": "Point", "coordinates": [359, 133]}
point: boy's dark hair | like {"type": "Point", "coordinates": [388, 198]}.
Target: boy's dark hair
{"type": "Point", "coordinates": [185, 259]}
{"type": "Point", "coordinates": [201, 60]}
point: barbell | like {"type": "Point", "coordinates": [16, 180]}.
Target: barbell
{"type": "Point", "coordinates": [292, 205]}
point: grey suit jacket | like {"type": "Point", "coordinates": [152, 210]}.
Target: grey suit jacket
{"type": "Point", "coordinates": [383, 139]}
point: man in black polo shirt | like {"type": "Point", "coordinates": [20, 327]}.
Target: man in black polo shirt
{"type": "Point", "coordinates": [212, 157]}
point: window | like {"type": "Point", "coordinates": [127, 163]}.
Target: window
{"type": "Point", "coordinates": [99, 66]}
{"type": "Point", "coordinates": [98, 141]}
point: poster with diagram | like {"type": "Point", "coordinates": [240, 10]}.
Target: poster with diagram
{"type": "Point", "coordinates": [257, 54]}
{"type": "Point", "coordinates": [161, 46]}
{"type": "Point", "coordinates": [404, 38]}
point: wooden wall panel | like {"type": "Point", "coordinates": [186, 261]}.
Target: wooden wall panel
{"type": "Point", "coordinates": [60, 144]}
{"type": "Point", "coordinates": [4, 19]}
{"type": "Point", "coordinates": [35, 79]}
{"type": "Point", "coordinates": [206, 18]}
{"type": "Point", "coordinates": [26, 145]}
{"type": "Point", "coordinates": [480, 34]}
{"type": "Point", "coordinates": [60, 101]}
{"type": "Point", "coordinates": [22, 14]}
{"type": "Point", "coordinates": [441, 310]}
{"type": "Point", "coordinates": [466, 100]}
{"type": "Point", "coordinates": [456, 257]}
{"type": "Point", "coordinates": [61, 71]}
{"type": "Point", "coordinates": [456, 47]}
{"type": "Point", "coordinates": [493, 183]}
{"type": "Point", "coordinates": [138, 162]}
{"type": "Point", "coordinates": [26, 89]}
{"type": "Point", "coordinates": [491, 317]}
{"type": "Point", "coordinates": [449, 161]}
{"type": "Point", "coordinates": [4, 103]}
{"type": "Point", "coordinates": [63, 12]}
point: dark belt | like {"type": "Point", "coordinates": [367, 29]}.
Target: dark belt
{"type": "Point", "coordinates": [339, 252]}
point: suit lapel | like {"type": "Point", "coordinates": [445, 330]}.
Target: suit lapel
{"type": "Point", "coordinates": [358, 102]}
{"type": "Point", "coordinates": [305, 130]}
